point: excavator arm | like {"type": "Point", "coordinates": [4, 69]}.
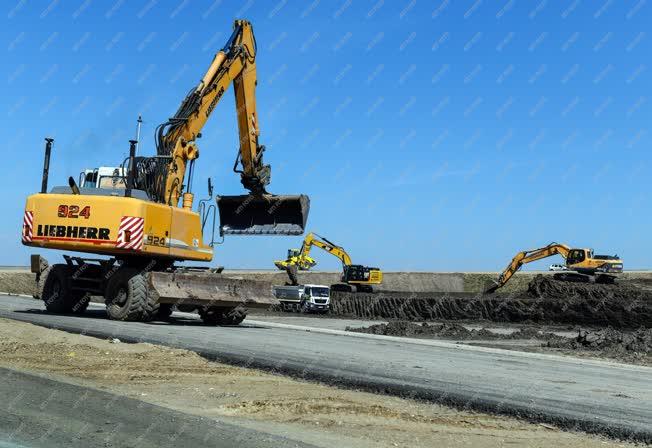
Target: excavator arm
{"type": "Point", "coordinates": [319, 241]}
{"type": "Point", "coordinates": [301, 259]}
{"type": "Point", "coordinates": [528, 256]}
{"type": "Point", "coordinates": [352, 274]}
{"type": "Point", "coordinates": [258, 212]}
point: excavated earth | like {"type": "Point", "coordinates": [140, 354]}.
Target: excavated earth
{"type": "Point", "coordinates": [449, 330]}
{"type": "Point", "coordinates": [634, 346]}
{"type": "Point", "coordinates": [627, 304]}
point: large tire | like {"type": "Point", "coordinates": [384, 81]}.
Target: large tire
{"type": "Point", "coordinates": [55, 291]}
{"type": "Point", "coordinates": [81, 301]}
{"type": "Point", "coordinates": [216, 315]}
{"type": "Point", "coordinates": [126, 296]}
{"type": "Point", "coordinates": [156, 310]}
{"type": "Point", "coordinates": [304, 307]}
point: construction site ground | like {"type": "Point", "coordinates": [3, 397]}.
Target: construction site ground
{"type": "Point", "coordinates": [303, 411]}
{"type": "Point", "coordinates": [585, 321]}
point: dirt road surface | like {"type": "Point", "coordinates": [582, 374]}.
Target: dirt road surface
{"type": "Point", "coordinates": [249, 399]}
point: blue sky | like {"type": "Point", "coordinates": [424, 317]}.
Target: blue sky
{"type": "Point", "coordinates": [440, 135]}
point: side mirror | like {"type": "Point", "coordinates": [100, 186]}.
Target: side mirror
{"type": "Point", "coordinates": [210, 187]}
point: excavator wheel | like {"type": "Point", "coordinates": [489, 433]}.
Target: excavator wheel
{"type": "Point", "coordinates": [216, 315]}
{"type": "Point", "coordinates": [126, 296]}
{"type": "Point", "coordinates": [156, 310]}
{"type": "Point", "coordinates": [55, 291]}
{"type": "Point", "coordinates": [304, 307]}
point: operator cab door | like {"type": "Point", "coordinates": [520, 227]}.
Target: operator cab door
{"type": "Point", "coordinates": [576, 256]}
{"type": "Point", "coordinates": [355, 273]}
{"type": "Point", "coordinates": [88, 179]}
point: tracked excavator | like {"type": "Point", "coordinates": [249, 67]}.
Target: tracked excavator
{"type": "Point", "coordinates": [355, 277]}
{"type": "Point", "coordinates": [582, 264]}
{"type": "Point", "coordinates": [139, 222]}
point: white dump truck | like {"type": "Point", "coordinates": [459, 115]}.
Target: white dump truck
{"type": "Point", "coordinates": [304, 298]}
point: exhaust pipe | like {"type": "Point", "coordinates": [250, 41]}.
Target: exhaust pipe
{"type": "Point", "coordinates": [46, 164]}
{"type": "Point", "coordinates": [263, 215]}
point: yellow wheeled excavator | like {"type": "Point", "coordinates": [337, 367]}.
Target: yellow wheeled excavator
{"type": "Point", "coordinates": [355, 277]}
{"type": "Point", "coordinates": [582, 265]}
{"type": "Point", "coordinates": [140, 224]}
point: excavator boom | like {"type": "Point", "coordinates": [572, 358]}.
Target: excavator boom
{"type": "Point", "coordinates": [581, 261]}
{"type": "Point", "coordinates": [352, 274]}
{"type": "Point", "coordinates": [143, 217]}
{"type": "Point", "coordinates": [525, 257]}
{"type": "Point", "coordinates": [258, 213]}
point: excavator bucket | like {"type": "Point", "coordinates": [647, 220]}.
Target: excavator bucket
{"type": "Point", "coordinates": [263, 215]}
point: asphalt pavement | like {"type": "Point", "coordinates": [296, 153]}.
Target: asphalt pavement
{"type": "Point", "coordinates": [41, 412]}
{"type": "Point", "coordinates": [591, 395]}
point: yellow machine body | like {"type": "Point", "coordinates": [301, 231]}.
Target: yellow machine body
{"type": "Point", "coordinates": [113, 225]}
{"type": "Point", "coordinates": [352, 274]}
{"type": "Point", "coordinates": [599, 268]}
{"type": "Point", "coordinates": [136, 218]}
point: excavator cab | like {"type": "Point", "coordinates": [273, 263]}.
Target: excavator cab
{"type": "Point", "coordinates": [294, 253]}
{"type": "Point", "coordinates": [577, 256]}
{"type": "Point", "coordinates": [263, 215]}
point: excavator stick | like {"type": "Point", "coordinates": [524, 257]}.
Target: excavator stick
{"type": "Point", "coordinates": [208, 289]}
{"type": "Point", "coordinates": [263, 215]}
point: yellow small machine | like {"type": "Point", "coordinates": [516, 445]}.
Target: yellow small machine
{"type": "Point", "coordinates": [354, 278]}
{"type": "Point", "coordinates": [582, 265]}
{"type": "Point", "coordinates": [139, 222]}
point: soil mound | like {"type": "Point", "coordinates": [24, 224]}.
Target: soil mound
{"type": "Point", "coordinates": [448, 331]}
{"type": "Point", "coordinates": [610, 339]}
{"type": "Point", "coordinates": [546, 301]}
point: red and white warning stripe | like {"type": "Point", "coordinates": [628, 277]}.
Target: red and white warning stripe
{"type": "Point", "coordinates": [28, 224]}
{"type": "Point", "coordinates": [130, 233]}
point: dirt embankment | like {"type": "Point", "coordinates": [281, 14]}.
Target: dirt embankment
{"type": "Point", "coordinates": [17, 282]}
{"type": "Point", "coordinates": [624, 305]}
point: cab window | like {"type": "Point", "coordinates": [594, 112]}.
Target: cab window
{"type": "Point", "coordinates": [113, 182]}
{"type": "Point", "coordinates": [576, 256]}
{"type": "Point", "coordinates": [90, 179]}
